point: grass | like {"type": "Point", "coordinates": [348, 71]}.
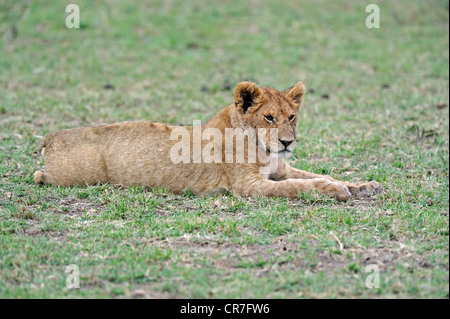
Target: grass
{"type": "Point", "coordinates": [377, 109]}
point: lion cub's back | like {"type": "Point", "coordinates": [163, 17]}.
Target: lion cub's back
{"type": "Point", "coordinates": [103, 135]}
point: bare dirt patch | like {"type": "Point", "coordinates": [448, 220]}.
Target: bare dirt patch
{"type": "Point", "coordinates": [75, 206]}
{"type": "Point", "coordinates": [290, 255]}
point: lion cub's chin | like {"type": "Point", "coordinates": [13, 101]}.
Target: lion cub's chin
{"type": "Point", "coordinates": [283, 154]}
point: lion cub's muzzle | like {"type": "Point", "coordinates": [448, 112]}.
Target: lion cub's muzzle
{"type": "Point", "coordinates": [283, 148]}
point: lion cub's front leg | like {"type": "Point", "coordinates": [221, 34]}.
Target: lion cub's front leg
{"type": "Point", "coordinates": [361, 190]}
{"type": "Point", "coordinates": [291, 188]}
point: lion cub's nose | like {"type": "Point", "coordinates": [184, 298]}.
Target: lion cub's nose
{"type": "Point", "coordinates": [286, 143]}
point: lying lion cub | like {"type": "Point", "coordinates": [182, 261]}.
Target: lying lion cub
{"type": "Point", "coordinates": [148, 154]}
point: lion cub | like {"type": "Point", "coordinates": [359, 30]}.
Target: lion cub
{"type": "Point", "coordinates": [180, 158]}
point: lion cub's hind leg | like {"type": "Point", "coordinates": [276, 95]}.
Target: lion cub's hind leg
{"type": "Point", "coordinates": [81, 165]}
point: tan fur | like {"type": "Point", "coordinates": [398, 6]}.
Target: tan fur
{"type": "Point", "coordinates": [138, 153]}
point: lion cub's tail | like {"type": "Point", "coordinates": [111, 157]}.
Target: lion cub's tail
{"type": "Point", "coordinates": [39, 177]}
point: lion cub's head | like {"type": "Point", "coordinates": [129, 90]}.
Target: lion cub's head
{"type": "Point", "coordinates": [269, 108]}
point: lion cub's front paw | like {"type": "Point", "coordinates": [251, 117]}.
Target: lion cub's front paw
{"type": "Point", "coordinates": [377, 187]}
{"type": "Point", "coordinates": [366, 189]}
{"type": "Point", "coordinates": [339, 191]}
{"type": "Point", "coordinates": [332, 188]}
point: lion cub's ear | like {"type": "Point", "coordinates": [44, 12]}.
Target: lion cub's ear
{"type": "Point", "coordinates": [295, 93]}
{"type": "Point", "coordinates": [246, 94]}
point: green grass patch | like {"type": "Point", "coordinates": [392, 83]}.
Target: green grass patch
{"type": "Point", "coordinates": [376, 109]}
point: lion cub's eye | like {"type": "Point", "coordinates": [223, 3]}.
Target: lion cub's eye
{"type": "Point", "coordinates": [291, 118]}
{"type": "Point", "coordinates": [269, 118]}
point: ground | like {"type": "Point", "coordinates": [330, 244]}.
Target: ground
{"type": "Point", "coordinates": [376, 109]}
